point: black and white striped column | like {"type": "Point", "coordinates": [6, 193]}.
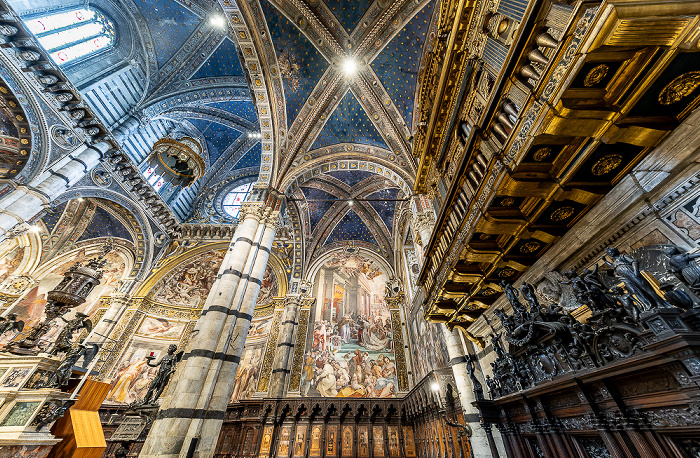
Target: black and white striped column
{"type": "Point", "coordinates": [193, 409]}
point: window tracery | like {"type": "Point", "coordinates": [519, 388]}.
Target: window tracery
{"type": "Point", "coordinates": [73, 34]}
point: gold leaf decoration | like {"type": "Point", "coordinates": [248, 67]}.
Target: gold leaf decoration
{"type": "Point", "coordinates": [681, 87]}
{"type": "Point", "coordinates": [562, 213]}
{"type": "Point", "coordinates": [606, 164]}
{"type": "Point", "coordinates": [596, 75]}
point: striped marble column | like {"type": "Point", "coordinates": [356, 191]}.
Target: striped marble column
{"type": "Point", "coordinates": [223, 377]}
{"type": "Point", "coordinates": [285, 344]}
{"type": "Point", "coordinates": [26, 202]}
{"type": "Point", "coordinates": [458, 360]}
{"type": "Point", "coordinates": [196, 400]}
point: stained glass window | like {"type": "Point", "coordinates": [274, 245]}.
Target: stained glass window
{"type": "Point", "coordinates": [73, 34]}
{"type": "Point", "coordinates": [232, 202]}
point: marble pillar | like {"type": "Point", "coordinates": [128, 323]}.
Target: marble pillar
{"type": "Point", "coordinates": [192, 411]}
{"type": "Point", "coordinates": [26, 202]}
{"type": "Point", "coordinates": [285, 345]}
{"type": "Point", "coordinates": [458, 360]}
{"type": "Point", "coordinates": [118, 303]}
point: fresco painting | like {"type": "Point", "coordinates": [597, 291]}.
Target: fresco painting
{"type": "Point", "coordinates": [161, 328]}
{"type": "Point", "coordinates": [10, 262]}
{"type": "Point", "coordinates": [132, 375]}
{"type": "Point", "coordinates": [30, 308]}
{"type": "Point", "coordinates": [350, 351]}
{"type": "Point", "coordinates": [269, 288]}
{"type": "Point", "coordinates": [428, 345]}
{"type": "Point", "coordinates": [188, 285]}
{"type": "Point", "coordinates": [248, 373]}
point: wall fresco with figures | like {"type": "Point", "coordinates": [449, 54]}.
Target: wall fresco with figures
{"type": "Point", "coordinates": [427, 343]}
{"type": "Point", "coordinates": [188, 284]}
{"type": "Point", "coordinates": [350, 346]}
{"type": "Point", "coordinates": [248, 374]}
{"type": "Point", "coordinates": [32, 288]}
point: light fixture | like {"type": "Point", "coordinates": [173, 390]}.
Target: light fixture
{"type": "Point", "coordinates": [435, 386]}
{"type": "Point", "coordinates": [218, 21]}
{"type": "Point", "coordinates": [351, 202]}
{"type": "Point", "coordinates": [349, 66]}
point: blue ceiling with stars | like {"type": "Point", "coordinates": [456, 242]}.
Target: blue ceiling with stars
{"type": "Point", "coordinates": [223, 62]}
{"type": "Point", "coordinates": [170, 25]}
{"type": "Point", "coordinates": [397, 65]}
{"type": "Point", "coordinates": [347, 12]}
{"type": "Point", "coordinates": [218, 136]}
{"type": "Point", "coordinates": [350, 227]}
{"type": "Point", "coordinates": [318, 203]}
{"type": "Point", "coordinates": [300, 64]}
{"type": "Point", "coordinates": [382, 202]}
{"type": "Point", "coordinates": [104, 224]}
{"type": "Point", "coordinates": [241, 108]}
{"type": "Point", "coordinates": [350, 177]}
{"type": "Point", "coordinates": [251, 158]}
{"type": "Point", "coordinates": [349, 124]}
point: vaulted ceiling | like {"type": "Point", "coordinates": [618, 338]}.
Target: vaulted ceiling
{"type": "Point", "coordinates": [276, 70]}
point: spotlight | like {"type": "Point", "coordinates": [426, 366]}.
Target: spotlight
{"type": "Point", "coordinates": [349, 66]}
{"type": "Point", "coordinates": [218, 21]}
{"type": "Point", "coordinates": [435, 386]}
{"type": "Point", "coordinates": [351, 203]}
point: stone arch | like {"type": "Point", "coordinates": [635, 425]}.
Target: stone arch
{"type": "Point", "coordinates": [144, 251]}
{"type": "Point", "coordinates": [378, 167]}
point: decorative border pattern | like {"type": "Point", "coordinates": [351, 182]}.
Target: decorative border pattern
{"type": "Point", "coordinates": [401, 371]}
{"type": "Point", "coordinates": [297, 360]}
{"type": "Point", "coordinates": [266, 370]}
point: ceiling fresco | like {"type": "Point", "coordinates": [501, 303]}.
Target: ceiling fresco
{"type": "Point", "coordinates": [318, 203]}
{"type": "Point", "coordinates": [224, 62]}
{"type": "Point", "coordinates": [384, 204]}
{"type": "Point", "coordinates": [350, 178]}
{"type": "Point", "coordinates": [398, 64]}
{"type": "Point", "coordinates": [348, 13]}
{"type": "Point", "coordinates": [351, 227]}
{"type": "Point", "coordinates": [105, 224]}
{"type": "Point", "coordinates": [169, 23]}
{"type": "Point", "coordinates": [300, 64]}
{"type": "Point", "coordinates": [229, 85]}
{"type": "Point", "coordinates": [218, 136]}
{"type": "Point", "coordinates": [349, 124]}
{"type": "Point", "coordinates": [243, 109]}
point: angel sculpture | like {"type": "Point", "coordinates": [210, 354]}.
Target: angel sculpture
{"type": "Point", "coordinates": [64, 341]}
{"type": "Point", "coordinates": [10, 323]}
{"type": "Point", "coordinates": [166, 367]}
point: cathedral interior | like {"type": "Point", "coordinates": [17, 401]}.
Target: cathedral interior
{"type": "Point", "coordinates": [350, 228]}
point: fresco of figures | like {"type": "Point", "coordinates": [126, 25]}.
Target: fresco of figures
{"type": "Point", "coordinates": [132, 375]}
{"type": "Point", "coordinates": [427, 344]}
{"type": "Point", "coordinates": [350, 348]}
{"type": "Point", "coordinates": [10, 262]}
{"type": "Point", "coordinates": [188, 285]}
{"type": "Point", "coordinates": [269, 288]}
{"type": "Point", "coordinates": [30, 307]}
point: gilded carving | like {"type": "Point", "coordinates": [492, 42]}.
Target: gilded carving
{"type": "Point", "coordinates": [681, 87]}
{"type": "Point", "coordinates": [542, 154]}
{"type": "Point", "coordinates": [596, 75]}
{"type": "Point", "coordinates": [295, 377]}
{"type": "Point", "coordinates": [606, 164]}
{"type": "Point", "coordinates": [562, 213]}
{"type": "Point", "coordinates": [530, 247]}
{"type": "Point", "coordinates": [401, 371]}
{"type": "Point", "coordinates": [266, 370]}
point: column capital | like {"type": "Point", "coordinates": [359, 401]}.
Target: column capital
{"type": "Point", "coordinates": [423, 223]}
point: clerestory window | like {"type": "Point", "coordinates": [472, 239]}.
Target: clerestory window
{"type": "Point", "coordinates": [73, 34]}
{"type": "Point", "coordinates": [233, 201]}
